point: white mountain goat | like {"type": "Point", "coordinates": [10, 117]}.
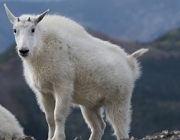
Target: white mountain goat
{"type": "Point", "coordinates": [64, 65]}
{"type": "Point", "coordinates": [10, 128]}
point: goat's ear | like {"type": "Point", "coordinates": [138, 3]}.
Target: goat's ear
{"type": "Point", "coordinates": [40, 17]}
{"type": "Point", "coordinates": [11, 17]}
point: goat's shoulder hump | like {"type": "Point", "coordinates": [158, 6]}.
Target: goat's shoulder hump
{"type": "Point", "coordinates": [63, 23]}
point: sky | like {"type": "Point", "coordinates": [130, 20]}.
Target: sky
{"type": "Point", "coordinates": [33, 0]}
{"type": "Point", "coordinates": [134, 20]}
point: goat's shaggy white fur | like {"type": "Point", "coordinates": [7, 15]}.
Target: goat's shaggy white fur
{"type": "Point", "coordinates": [64, 65]}
{"type": "Point", "coordinates": [10, 128]}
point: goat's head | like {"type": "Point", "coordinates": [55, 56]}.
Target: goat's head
{"type": "Point", "coordinates": [24, 28]}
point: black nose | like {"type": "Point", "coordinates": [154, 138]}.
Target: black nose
{"type": "Point", "coordinates": [24, 52]}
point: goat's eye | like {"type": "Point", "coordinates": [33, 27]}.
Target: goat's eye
{"type": "Point", "coordinates": [14, 30]}
{"type": "Point", "coordinates": [33, 30]}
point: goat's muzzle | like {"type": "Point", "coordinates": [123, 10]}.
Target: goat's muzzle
{"type": "Point", "coordinates": [24, 52]}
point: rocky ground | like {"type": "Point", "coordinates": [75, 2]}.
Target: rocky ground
{"type": "Point", "coordinates": [23, 138]}
{"type": "Point", "coordinates": [164, 135]}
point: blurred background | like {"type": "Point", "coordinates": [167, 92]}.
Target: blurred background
{"type": "Point", "coordinates": [131, 24]}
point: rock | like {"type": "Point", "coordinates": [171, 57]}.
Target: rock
{"type": "Point", "coordinates": [132, 138]}
{"type": "Point", "coordinates": [23, 138]}
{"type": "Point", "coordinates": [164, 135]}
{"type": "Point", "coordinates": [26, 138]}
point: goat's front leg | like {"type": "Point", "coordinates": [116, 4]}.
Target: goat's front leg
{"type": "Point", "coordinates": [47, 105]}
{"type": "Point", "coordinates": [62, 95]}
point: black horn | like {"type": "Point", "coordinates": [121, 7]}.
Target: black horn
{"type": "Point", "coordinates": [29, 19]}
{"type": "Point", "coordinates": [18, 19]}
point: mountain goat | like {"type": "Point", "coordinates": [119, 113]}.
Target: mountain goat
{"type": "Point", "coordinates": [64, 65]}
{"type": "Point", "coordinates": [10, 128]}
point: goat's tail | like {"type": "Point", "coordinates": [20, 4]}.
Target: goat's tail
{"type": "Point", "coordinates": [133, 63]}
{"type": "Point", "coordinates": [138, 53]}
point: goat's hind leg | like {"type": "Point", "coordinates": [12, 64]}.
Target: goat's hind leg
{"type": "Point", "coordinates": [94, 119]}
{"type": "Point", "coordinates": [119, 116]}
